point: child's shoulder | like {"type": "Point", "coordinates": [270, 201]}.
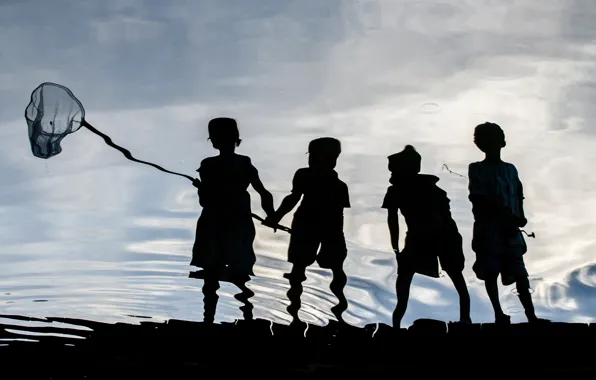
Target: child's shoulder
{"type": "Point", "coordinates": [510, 169]}
{"type": "Point", "coordinates": [474, 165]}
{"type": "Point", "coordinates": [478, 164]}
{"type": "Point", "coordinates": [216, 160]}
{"type": "Point", "coordinates": [510, 165]}
{"type": "Point", "coordinates": [392, 191]}
{"type": "Point", "coordinates": [302, 172]}
{"type": "Point", "coordinates": [244, 160]}
{"type": "Point", "coordinates": [208, 161]}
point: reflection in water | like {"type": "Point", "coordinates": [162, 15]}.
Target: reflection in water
{"type": "Point", "coordinates": [337, 286]}
{"type": "Point", "coordinates": [101, 238]}
{"type": "Point", "coordinates": [210, 287]}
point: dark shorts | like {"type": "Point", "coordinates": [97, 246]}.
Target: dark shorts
{"type": "Point", "coordinates": [424, 250]}
{"type": "Point", "coordinates": [498, 254]}
{"type": "Point", "coordinates": [320, 242]}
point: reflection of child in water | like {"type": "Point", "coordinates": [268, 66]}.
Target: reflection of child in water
{"type": "Point", "coordinates": [497, 197]}
{"type": "Point", "coordinates": [225, 230]}
{"type": "Point", "coordinates": [432, 233]}
{"type": "Point", "coordinates": [318, 222]}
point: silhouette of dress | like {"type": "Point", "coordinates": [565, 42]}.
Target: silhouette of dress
{"type": "Point", "coordinates": [318, 221]}
{"type": "Point", "coordinates": [225, 231]}
{"type": "Point", "coordinates": [432, 234]}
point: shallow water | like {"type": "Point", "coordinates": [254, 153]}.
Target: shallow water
{"type": "Point", "coordinates": [88, 234]}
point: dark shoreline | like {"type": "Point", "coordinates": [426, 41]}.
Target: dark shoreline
{"type": "Point", "coordinates": [259, 348]}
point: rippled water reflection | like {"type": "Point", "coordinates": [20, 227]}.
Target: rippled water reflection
{"type": "Point", "coordinates": [88, 234]}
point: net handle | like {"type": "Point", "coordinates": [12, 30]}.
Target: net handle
{"type": "Point", "coordinates": [128, 155]}
{"type": "Point", "coordinates": [126, 152]}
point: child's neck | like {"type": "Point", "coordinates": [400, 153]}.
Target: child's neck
{"type": "Point", "coordinates": [322, 169]}
{"type": "Point", "coordinates": [493, 156]}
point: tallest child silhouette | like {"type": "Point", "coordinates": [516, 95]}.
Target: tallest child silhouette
{"type": "Point", "coordinates": [497, 196]}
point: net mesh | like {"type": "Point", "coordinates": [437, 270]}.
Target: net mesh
{"type": "Point", "coordinates": [52, 114]}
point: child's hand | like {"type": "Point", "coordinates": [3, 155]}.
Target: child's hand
{"type": "Point", "coordinates": [271, 221]}
{"type": "Point", "coordinates": [522, 221]}
{"type": "Point", "coordinates": [270, 226]}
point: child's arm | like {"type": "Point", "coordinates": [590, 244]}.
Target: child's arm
{"type": "Point", "coordinates": [391, 204]}
{"type": "Point", "coordinates": [290, 201]}
{"type": "Point", "coordinates": [287, 205]}
{"type": "Point", "coordinates": [523, 221]}
{"type": "Point", "coordinates": [266, 197]}
{"type": "Point", "coordinates": [197, 183]}
{"type": "Point", "coordinates": [393, 224]}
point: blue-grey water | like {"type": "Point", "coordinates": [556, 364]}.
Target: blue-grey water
{"type": "Point", "coordinates": [89, 234]}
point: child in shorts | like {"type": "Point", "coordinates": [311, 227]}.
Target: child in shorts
{"type": "Point", "coordinates": [317, 226]}
{"type": "Point", "coordinates": [432, 234]}
{"type": "Point", "coordinates": [497, 197]}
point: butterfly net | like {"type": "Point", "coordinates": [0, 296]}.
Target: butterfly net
{"type": "Point", "coordinates": [52, 114]}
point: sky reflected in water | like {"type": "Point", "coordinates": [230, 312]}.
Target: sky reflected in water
{"type": "Point", "coordinates": [92, 235]}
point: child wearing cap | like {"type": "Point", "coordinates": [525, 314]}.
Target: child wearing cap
{"type": "Point", "coordinates": [225, 231]}
{"type": "Point", "coordinates": [317, 226]}
{"type": "Point", "coordinates": [497, 197]}
{"type": "Point", "coordinates": [432, 233]}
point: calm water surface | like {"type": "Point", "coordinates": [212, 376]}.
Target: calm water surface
{"type": "Point", "coordinates": [88, 234]}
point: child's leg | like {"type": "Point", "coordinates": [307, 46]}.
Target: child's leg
{"type": "Point", "coordinates": [492, 289]}
{"type": "Point", "coordinates": [210, 287]}
{"type": "Point", "coordinates": [402, 288]}
{"type": "Point", "coordinates": [464, 297]}
{"type": "Point", "coordinates": [516, 268]}
{"type": "Point", "coordinates": [244, 297]}
{"type": "Point", "coordinates": [296, 278]}
{"type": "Point", "coordinates": [523, 289]}
{"type": "Point", "coordinates": [337, 288]}
{"type": "Point", "coordinates": [332, 255]}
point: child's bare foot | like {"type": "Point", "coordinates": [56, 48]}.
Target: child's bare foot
{"type": "Point", "coordinates": [535, 320]}
{"type": "Point", "coordinates": [466, 321]}
{"type": "Point", "coordinates": [503, 319]}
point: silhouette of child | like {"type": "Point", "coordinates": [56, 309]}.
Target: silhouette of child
{"type": "Point", "coordinates": [319, 220]}
{"type": "Point", "coordinates": [497, 197]}
{"type": "Point", "coordinates": [432, 232]}
{"type": "Point", "coordinates": [225, 230]}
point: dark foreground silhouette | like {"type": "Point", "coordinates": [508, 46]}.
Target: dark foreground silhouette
{"type": "Point", "coordinates": [258, 348]}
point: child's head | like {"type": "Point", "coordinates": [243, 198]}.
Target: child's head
{"type": "Point", "coordinates": [223, 133]}
{"type": "Point", "coordinates": [489, 137]}
{"type": "Point", "coordinates": [405, 163]}
{"type": "Point", "coordinates": [323, 152]}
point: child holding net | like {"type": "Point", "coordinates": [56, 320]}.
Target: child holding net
{"type": "Point", "coordinates": [225, 230]}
